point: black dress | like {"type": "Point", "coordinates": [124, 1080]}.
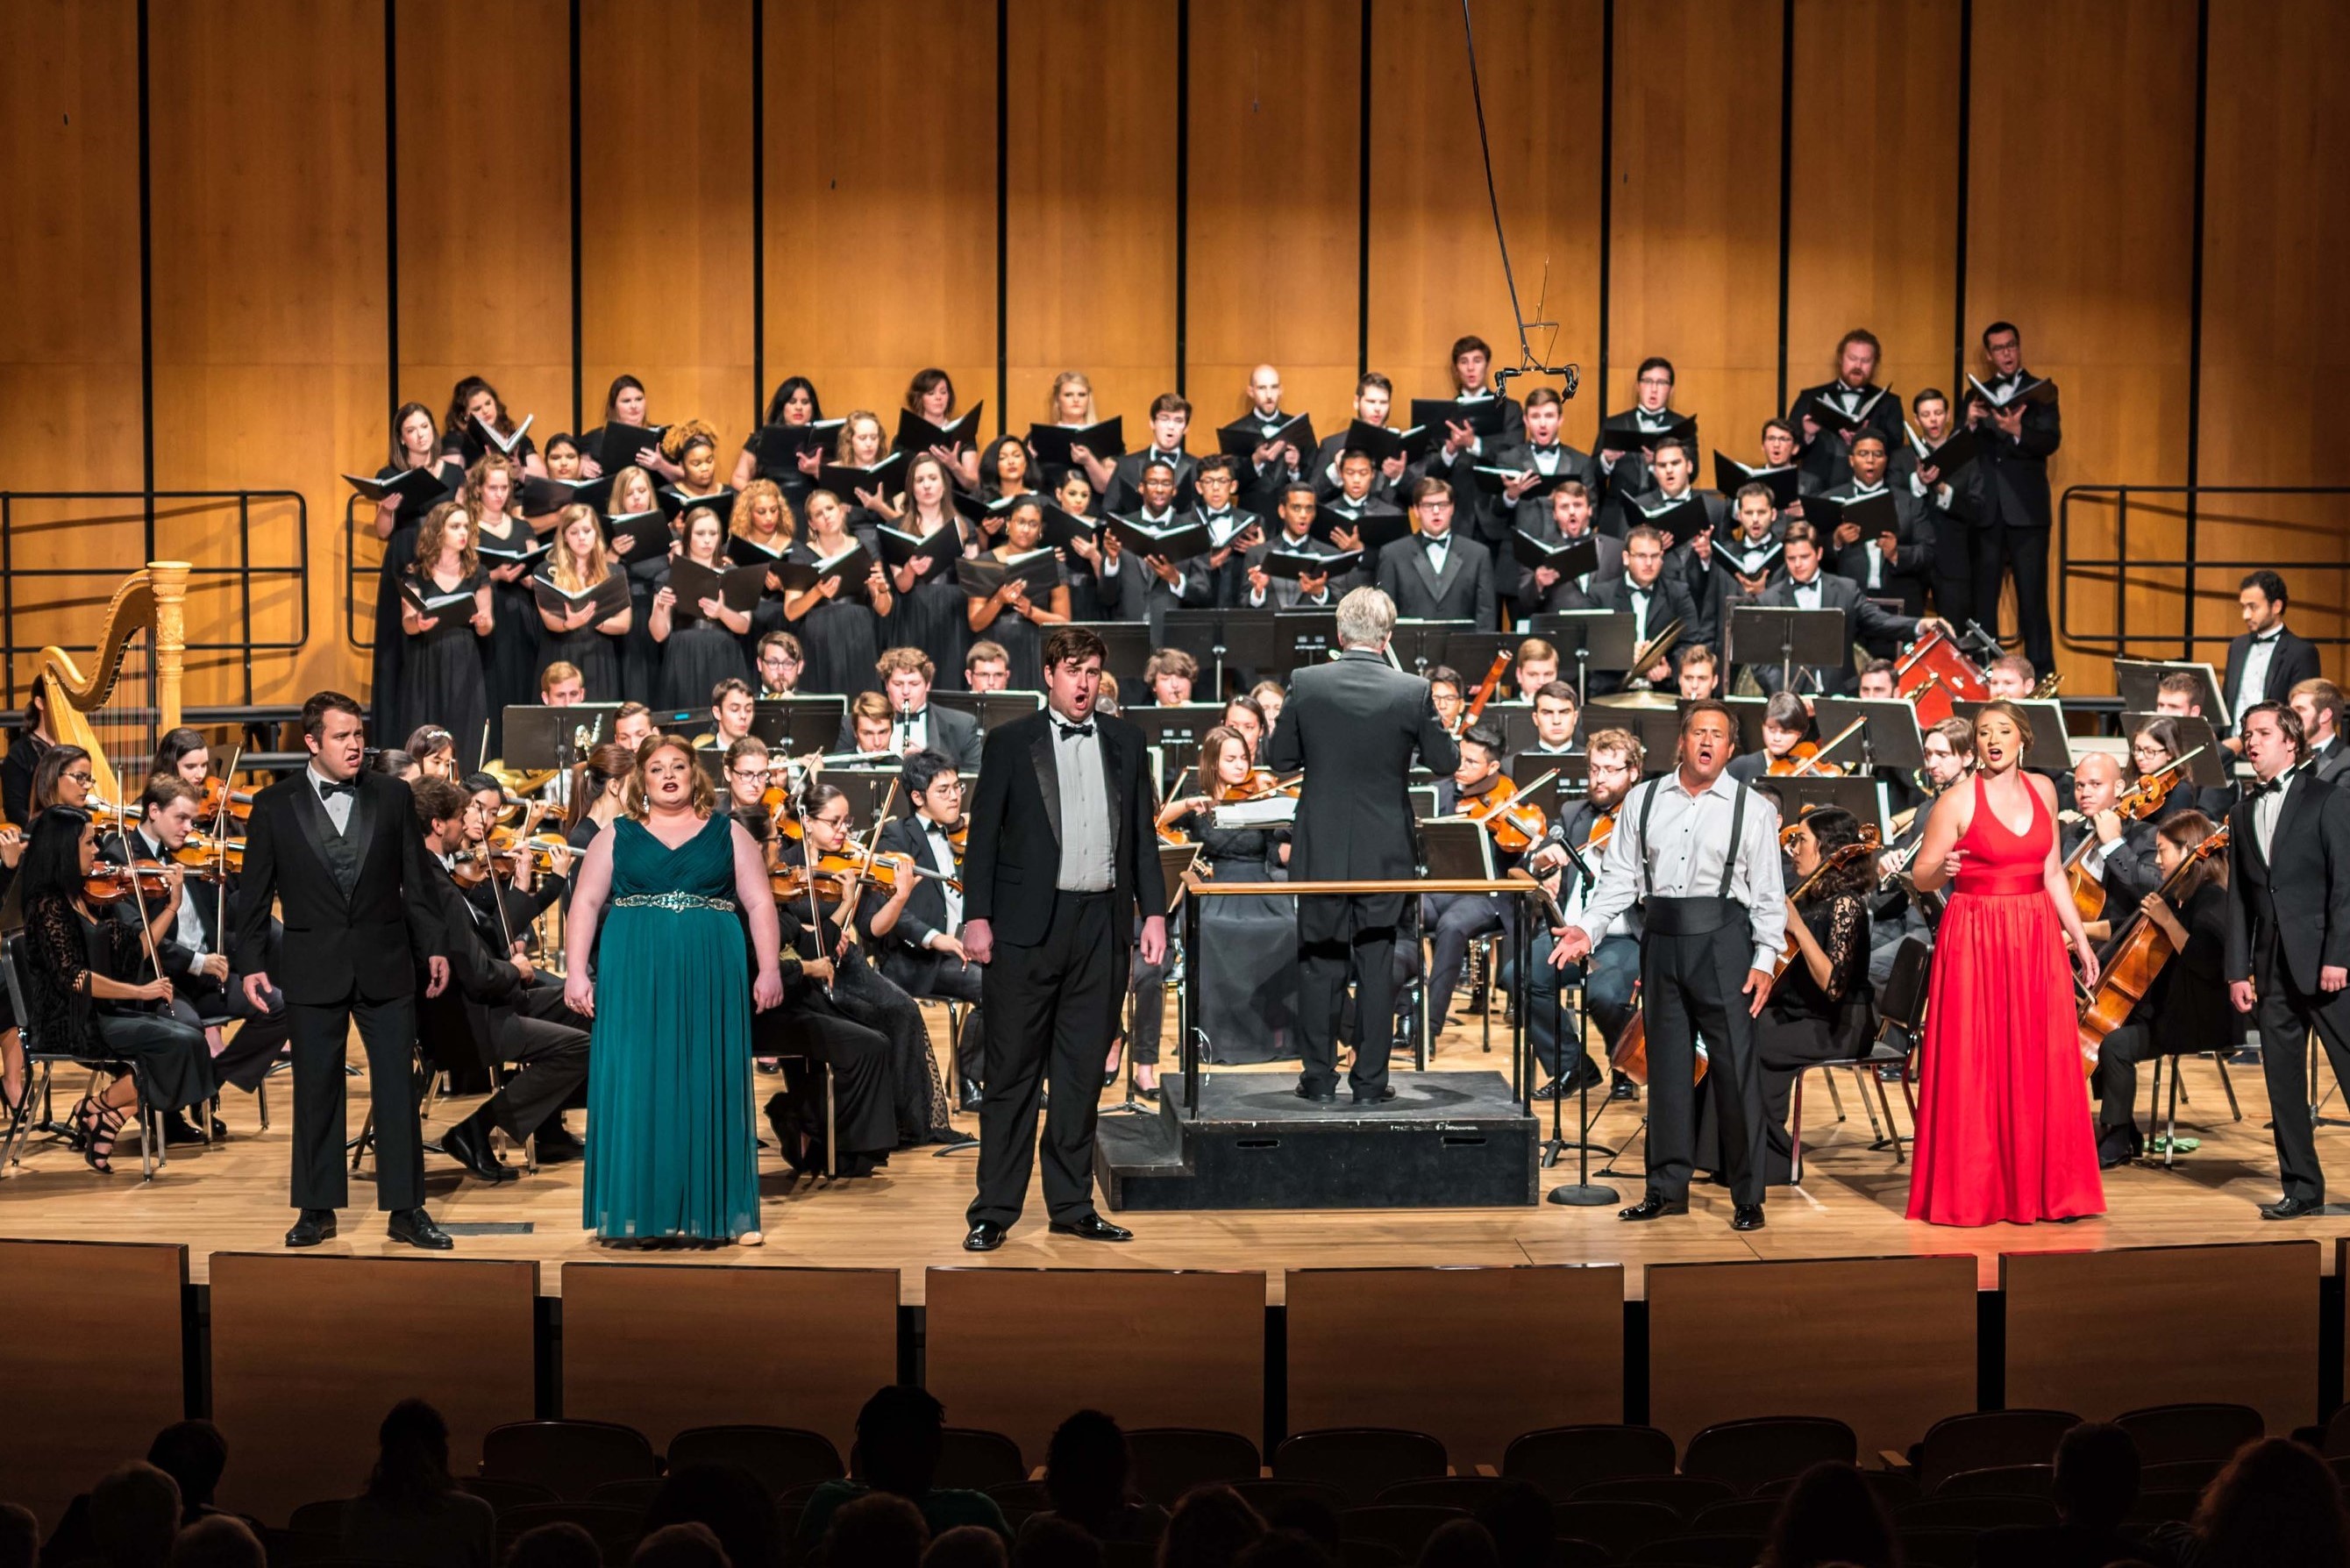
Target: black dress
{"type": "Point", "coordinates": [1024, 639]}
{"type": "Point", "coordinates": [1246, 969]}
{"type": "Point", "coordinates": [810, 1023]}
{"type": "Point", "coordinates": [596, 654]}
{"type": "Point", "coordinates": [167, 1056]}
{"type": "Point", "coordinates": [442, 678]}
{"type": "Point", "coordinates": [510, 659]}
{"type": "Point", "coordinates": [842, 634]}
{"type": "Point", "coordinates": [936, 618]}
{"type": "Point", "coordinates": [699, 654]}
{"type": "Point", "coordinates": [390, 646]}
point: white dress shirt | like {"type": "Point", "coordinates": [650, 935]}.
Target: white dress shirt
{"type": "Point", "coordinates": [942, 859]}
{"type": "Point", "coordinates": [1088, 859]}
{"type": "Point", "coordinates": [188, 927]}
{"type": "Point", "coordinates": [911, 734]}
{"type": "Point", "coordinates": [1642, 599]}
{"type": "Point", "coordinates": [2255, 680]}
{"type": "Point", "coordinates": [339, 804]}
{"type": "Point", "coordinates": [1686, 837]}
{"type": "Point", "coordinates": [1807, 595]}
{"type": "Point", "coordinates": [2270, 805]}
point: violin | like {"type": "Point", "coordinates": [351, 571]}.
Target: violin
{"type": "Point", "coordinates": [108, 883]}
{"type": "Point", "coordinates": [1603, 828]}
{"type": "Point", "coordinates": [217, 795]}
{"type": "Point", "coordinates": [791, 883]}
{"type": "Point", "coordinates": [1866, 848]}
{"type": "Point", "coordinates": [1514, 827]}
{"type": "Point", "coordinates": [880, 869]}
{"type": "Point", "coordinates": [202, 852]}
{"type": "Point", "coordinates": [1808, 759]}
{"type": "Point", "coordinates": [1484, 694]}
{"type": "Point", "coordinates": [2138, 955]}
{"type": "Point", "coordinates": [1261, 784]}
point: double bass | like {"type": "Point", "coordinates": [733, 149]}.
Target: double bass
{"type": "Point", "coordinates": [2138, 955]}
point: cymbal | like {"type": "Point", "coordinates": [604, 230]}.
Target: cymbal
{"type": "Point", "coordinates": [1651, 701]}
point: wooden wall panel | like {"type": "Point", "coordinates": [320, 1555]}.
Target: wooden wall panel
{"type": "Point", "coordinates": [1874, 190]}
{"type": "Point", "coordinates": [1453, 1356]}
{"type": "Point", "coordinates": [1154, 1349]}
{"type": "Point", "coordinates": [880, 211]}
{"type": "Point", "coordinates": [2093, 267]}
{"type": "Point", "coordinates": [70, 344]}
{"type": "Point", "coordinates": [665, 233]}
{"type": "Point", "coordinates": [1728, 1341]}
{"type": "Point", "coordinates": [94, 1370]}
{"type": "Point", "coordinates": [1090, 161]}
{"type": "Point", "coordinates": [484, 124]}
{"type": "Point", "coordinates": [2276, 323]}
{"type": "Point", "coordinates": [1694, 276]}
{"type": "Point", "coordinates": [1436, 269]}
{"type": "Point", "coordinates": [1272, 269]}
{"type": "Point", "coordinates": [791, 1347]}
{"type": "Point", "coordinates": [308, 1353]}
{"type": "Point", "coordinates": [269, 340]}
{"type": "Point", "coordinates": [2064, 1354]}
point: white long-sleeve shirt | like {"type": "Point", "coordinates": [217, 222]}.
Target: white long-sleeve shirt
{"type": "Point", "coordinates": [1687, 838]}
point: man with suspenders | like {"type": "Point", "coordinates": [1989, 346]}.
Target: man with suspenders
{"type": "Point", "coordinates": [1703, 860]}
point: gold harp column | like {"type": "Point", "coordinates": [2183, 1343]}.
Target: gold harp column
{"type": "Point", "coordinates": [169, 579]}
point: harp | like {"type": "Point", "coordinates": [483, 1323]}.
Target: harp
{"type": "Point", "coordinates": [144, 635]}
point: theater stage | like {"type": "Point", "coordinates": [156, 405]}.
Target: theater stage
{"type": "Point", "coordinates": [232, 1198]}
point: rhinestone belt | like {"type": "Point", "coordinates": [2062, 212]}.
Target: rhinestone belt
{"type": "Point", "coordinates": [674, 902]}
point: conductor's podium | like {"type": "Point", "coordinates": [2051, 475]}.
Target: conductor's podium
{"type": "Point", "coordinates": [1446, 1140]}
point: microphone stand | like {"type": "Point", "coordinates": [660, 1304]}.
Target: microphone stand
{"type": "Point", "coordinates": [1581, 1193]}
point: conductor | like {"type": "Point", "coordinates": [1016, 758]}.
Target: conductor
{"type": "Point", "coordinates": [1062, 849]}
{"type": "Point", "coordinates": [1700, 854]}
{"type": "Point", "coordinates": [1355, 726]}
{"type": "Point", "coordinates": [343, 850]}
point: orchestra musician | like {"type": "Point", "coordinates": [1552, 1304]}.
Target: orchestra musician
{"type": "Point", "coordinates": [1453, 920]}
{"type": "Point", "coordinates": [916, 723]}
{"type": "Point", "coordinates": [1807, 587]}
{"type": "Point", "coordinates": [2318, 701]}
{"type": "Point", "coordinates": [1554, 715]}
{"type": "Point", "coordinates": [1786, 726]}
{"type": "Point", "coordinates": [915, 945]}
{"type": "Point", "coordinates": [1612, 968]}
{"type": "Point", "coordinates": [2186, 1009]}
{"type": "Point", "coordinates": [1654, 600]}
{"type": "Point", "coordinates": [1700, 853]}
{"type": "Point", "coordinates": [2122, 859]}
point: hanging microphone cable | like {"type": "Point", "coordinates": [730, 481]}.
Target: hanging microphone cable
{"type": "Point", "coordinates": [1529, 363]}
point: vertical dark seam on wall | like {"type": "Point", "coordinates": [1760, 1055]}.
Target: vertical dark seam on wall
{"type": "Point", "coordinates": [392, 207]}
{"type": "Point", "coordinates": [1363, 202]}
{"type": "Point", "coordinates": [146, 298]}
{"type": "Point", "coordinates": [1966, 130]}
{"type": "Point", "coordinates": [1182, 191]}
{"type": "Point", "coordinates": [578, 319]}
{"type": "Point", "coordinates": [1003, 215]}
{"type": "Point", "coordinates": [1786, 175]}
{"type": "Point", "coordinates": [1606, 190]}
{"type": "Point", "coordinates": [758, 210]}
{"type": "Point", "coordinates": [2195, 326]}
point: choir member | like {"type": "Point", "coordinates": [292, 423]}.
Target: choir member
{"type": "Point", "coordinates": [442, 674]}
{"type": "Point", "coordinates": [1013, 614]}
{"type": "Point", "coordinates": [1897, 561]}
{"type": "Point", "coordinates": [1623, 454]}
{"type": "Point", "coordinates": [1688, 535]}
{"type": "Point", "coordinates": [474, 399]}
{"type": "Point", "coordinates": [1566, 519]}
{"type": "Point", "coordinates": [2318, 701]}
{"type": "Point", "coordinates": [838, 620]}
{"type": "Point", "coordinates": [1073, 493]}
{"type": "Point", "coordinates": [1232, 533]}
{"type": "Point", "coordinates": [761, 530]}
{"type": "Point", "coordinates": [632, 495]}
{"type": "Point", "coordinates": [1072, 408]}
{"type": "Point", "coordinates": [1541, 455]}
{"type": "Point", "coordinates": [506, 548]}
{"type": "Point", "coordinates": [1273, 463]}
{"type": "Point", "coordinates": [932, 611]}
{"type": "Point", "coordinates": [931, 395]}
{"type": "Point", "coordinates": [1171, 417]}
{"type": "Point", "coordinates": [1471, 367]}
{"type": "Point", "coordinates": [699, 641]}
{"type": "Point", "coordinates": [692, 446]}
{"type": "Point", "coordinates": [1374, 402]}
{"type": "Point", "coordinates": [1146, 589]}
{"type": "Point", "coordinates": [415, 444]}
{"type": "Point", "coordinates": [1954, 504]}
{"type": "Point", "coordinates": [1004, 472]}
{"type": "Point", "coordinates": [577, 564]}
{"type": "Point", "coordinates": [2020, 429]}
{"type": "Point", "coordinates": [793, 404]}
{"type": "Point", "coordinates": [1309, 590]}
{"type": "Point", "coordinates": [1853, 395]}
{"type": "Point", "coordinates": [1654, 600]}
{"type": "Point", "coordinates": [1437, 577]}
{"type": "Point", "coordinates": [624, 404]}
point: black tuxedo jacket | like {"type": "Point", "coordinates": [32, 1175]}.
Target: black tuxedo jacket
{"type": "Point", "coordinates": [484, 985]}
{"type": "Point", "coordinates": [1827, 461]}
{"type": "Point", "coordinates": [1013, 857]}
{"type": "Point", "coordinates": [1668, 600]}
{"type": "Point", "coordinates": [954, 732]}
{"type": "Point", "coordinates": [2331, 761]}
{"type": "Point", "coordinates": [1281, 593]}
{"type": "Point", "coordinates": [2294, 660]}
{"type": "Point", "coordinates": [1356, 726]}
{"type": "Point", "coordinates": [1126, 481]}
{"type": "Point", "coordinates": [1567, 593]}
{"type": "Point", "coordinates": [1913, 553]}
{"type": "Point", "coordinates": [2131, 871]}
{"type": "Point", "coordinates": [2293, 910]}
{"type": "Point", "coordinates": [1863, 620]}
{"type": "Point", "coordinates": [1971, 502]}
{"type": "Point", "coordinates": [1324, 476]}
{"type": "Point", "coordinates": [2015, 469]}
{"type": "Point", "coordinates": [1463, 591]}
{"type": "Point", "coordinates": [359, 912]}
{"type": "Point", "coordinates": [926, 906]}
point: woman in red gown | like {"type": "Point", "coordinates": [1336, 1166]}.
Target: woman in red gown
{"type": "Point", "coordinates": [2004, 1131]}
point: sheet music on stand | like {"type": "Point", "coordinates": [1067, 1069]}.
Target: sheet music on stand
{"type": "Point", "coordinates": [1658, 730]}
{"type": "Point", "coordinates": [2208, 766]}
{"type": "Point", "coordinates": [798, 725]}
{"type": "Point", "coordinates": [1887, 738]}
{"type": "Point", "coordinates": [1419, 644]}
{"type": "Point", "coordinates": [1307, 635]}
{"type": "Point", "coordinates": [1601, 639]}
{"type": "Point", "coordinates": [1794, 639]}
{"type": "Point", "coordinates": [1130, 648]}
{"type": "Point", "coordinates": [1174, 860]}
{"type": "Point", "coordinates": [1201, 633]}
{"type": "Point", "coordinates": [992, 709]}
{"type": "Point", "coordinates": [541, 737]}
{"type": "Point", "coordinates": [1456, 848]}
{"type": "Point", "coordinates": [2140, 682]}
{"type": "Point", "coordinates": [1798, 796]}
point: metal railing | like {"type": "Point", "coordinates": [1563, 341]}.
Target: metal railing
{"type": "Point", "coordinates": [154, 543]}
{"type": "Point", "coordinates": [2194, 573]}
{"type": "Point", "coordinates": [359, 574]}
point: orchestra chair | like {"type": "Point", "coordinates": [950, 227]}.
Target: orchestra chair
{"type": "Point", "coordinates": [2156, 1112]}
{"type": "Point", "coordinates": [572, 1457]}
{"type": "Point", "coordinates": [2172, 1434]}
{"type": "Point", "coordinates": [1865, 1070]}
{"type": "Point", "coordinates": [1165, 1462]}
{"type": "Point", "coordinates": [1360, 1461]}
{"type": "Point", "coordinates": [41, 1065]}
{"type": "Point", "coordinates": [1558, 1460]}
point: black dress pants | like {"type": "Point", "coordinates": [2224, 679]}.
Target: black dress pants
{"type": "Point", "coordinates": [321, 1126]}
{"type": "Point", "coordinates": [1052, 1010]}
{"type": "Point", "coordinates": [1690, 984]}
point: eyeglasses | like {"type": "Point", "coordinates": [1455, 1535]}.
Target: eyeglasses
{"type": "Point", "coordinates": [1656, 380]}
{"type": "Point", "coordinates": [840, 821]}
{"type": "Point", "coordinates": [81, 777]}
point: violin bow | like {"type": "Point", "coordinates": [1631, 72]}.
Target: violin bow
{"type": "Point", "coordinates": [220, 836]}
{"type": "Point", "coordinates": [816, 910]}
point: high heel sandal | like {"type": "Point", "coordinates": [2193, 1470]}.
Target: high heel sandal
{"type": "Point", "coordinates": [99, 1123]}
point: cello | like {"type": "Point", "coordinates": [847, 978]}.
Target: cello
{"type": "Point", "coordinates": [2138, 955]}
{"type": "Point", "coordinates": [2136, 804]}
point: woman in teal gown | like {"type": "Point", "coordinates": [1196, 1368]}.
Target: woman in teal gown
{"type": "Point", "coordinates": [672, 1152]}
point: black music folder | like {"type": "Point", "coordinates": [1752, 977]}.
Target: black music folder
{"type": "Point", "coordinates": [1483, 415]}
{"type": "Point", "coordinates": [1243, 437]}
{"type": "Point", "coordinates": [1496, 480]}
{"type": "Point", "coordinates": [617, 444]}
{"type": "Point", "coordinates": [610, 596]}
{"type": "Point", "coordinates": [1051, 443]}
{"type": "Point", "coordinates": [738, 588]}
{"type": "Point", "coordinates": [480, 437]}
{"type": "Point", "coordinates": [416, 487]}
{"type": "Point", "coordinates": [1624, 433]}
{"type": "Point", "coordinates": [852, 563]}
{"type": "Point", "coordinates": [942, 545]}
{"type": "Point", "coordinates": [1567, 559]}
{"type": "Point", "coordinates": [1874, 515]}
{"type": "Point", "coordinates": [541, 496]}
{"type": "Point", "coordinates": [1384, 441]}
{"type": "Point", "coordinates": [634, 536]}
{"type": "Point", "coordinates": [2031, 389]}
{"type": "Point", "coordinates": [1291, 565]}
{"type": "Point", "coordinates": [1177, 541]}
{"type": "Point", "coordinates": [1731, 476]}
{"type": "Point", "coordinates": [916, 433]}
{"type": "Point", "coordinates": [1377, 527]}
{"type": "Point", "coordinates": [676, 502]}
{"type": "Point", "coordinates": [1829, 416]}
{"type": "Point", "coordinates": [521, 552]}
{"type": "Point", "coordinates": [845, 479]}
{"type": "Point", "coordinates": [778, 447]}
{"type": "Point", "coordinates": [1683, 519]}
{"type": "Point", "coordinates": [980, 575]}
{"type": "Point", "coordinates": [1953, 455]}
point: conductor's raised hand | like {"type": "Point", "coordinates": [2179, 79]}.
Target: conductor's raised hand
{"type": "Point", "coordinates": [978, 941]}
{"type": "Point", "coordinates": [1153, 945]}
{"type": "Point", "coordinates": [1757, 986]}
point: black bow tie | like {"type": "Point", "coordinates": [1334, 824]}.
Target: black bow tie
{"type": "Point", "coordinates": [2274, 786]}
{"type": "Point", "coordinates": [2267, 637]}
{"type": "Point", "coordinates": [913, 715]}
{"type": "Point", "coordinates": [328, 789]}
{"type": "Point", "coordinates": [1073, 731]}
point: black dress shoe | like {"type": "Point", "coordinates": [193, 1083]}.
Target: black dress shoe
{"type": "Point", "coordinates": [2292, 1207]}
{"type": "Point", "coordinates": [1317, 1096]}
{"type": "Point", "coordinates": [1653, 1208]}
{"type": "Point", "coordinates": [415, 1227]}
{"type": "Point", "coordinates": [1623, 1088]}
{"type": "Point", "coordinates": [2116, 1148]}
{"type": "Point", "coordinates": [179, 1132]}
{"type": "Point", "coordinates": [468, 1143]}
{"type": "Point", "coordinates": [1747, 1217]}
{"type": "Point", "coordinates": [556, 1145]}
{"type": "Point", "coordinates": [1379, 1097]}
{"type": "Point", "coordinates": [985, 1237]}
{"type": "Point", "coordinates": [968, 1098]}
{"type": "Point", "coordinates": [313, 1226]}
{"type": "Point", "coordinates": [1091, 1228]}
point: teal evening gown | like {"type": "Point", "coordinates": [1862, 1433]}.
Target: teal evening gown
{"type": "Point", "coordinates": [670, 1149]}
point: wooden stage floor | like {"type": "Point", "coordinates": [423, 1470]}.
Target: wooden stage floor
{"type": "Point", "coordinates": [233, 1198]}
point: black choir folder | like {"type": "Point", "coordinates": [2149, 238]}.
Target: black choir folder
{"type": "Point", "coordinates": [1829, 416]}
{"type": "Point", "coordinates": [1731, 476]}
{"type": "Point", "coordinates": [610, 596]}
{"type": "Point", "coordinates": [1051, 443]}
{"type": "Point", "coordinates": [638, 536]}
{"type": "Point", "coordinates": [1496, 480]}
{"type": "Point", "coordinates": [844, 480]}
{"type": "Point", "coordinates": [617, 444]}
{"type": "Point", "coordinates": [980, 575]}
{"type": "Point", "coordinates": [737, 588]}
{"type": "Point", "coordinates": [421, 487]}
{"type": "Point", "coordinates": [1172, 541]}
{"type": "Point", "coordinates": [944, 546]}
{"type": "Point", "coordinates": [1874, 514]}
{"type": "Point", "coordinates": [2031, 389]}
{"type": "Point", "coordinates": [1623, 432]}
{"type": "Point", "coordinates": [1955, 452]}
{"type": "Point", "coordinates": [916, 433]}
{"type": "Point", "coordinates": [1483, 415]}
{"type": "Point", "coordinates": [676, 502]}
{"type": "Point", "coordinates": [1377, 527]}
{"type": "Point", "coordinates": [851, 564]}
{"type": "Point", "coordinates": [434, 603]}
{"type": "Point", "coordinates": [1568, 560]}
{"type": "Point", "coordinates": [480, 437]}
{"type": "Point", "coordinates": [1292, 565]}
{"type": "Point", "coordinates": [1243, 437]}
{"type": "Point", "coordinates": [1380, 442]}
{"type": "Point", "coordinates": [778, 447]}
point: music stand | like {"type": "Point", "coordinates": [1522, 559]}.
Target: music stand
{"type": "Point", "coordinates": [1747, 712]}
{"type": "Point", "coordinates": [1800, 794]}
{"type": "Point", "coordinates": [1580, 1193]}
{"type": "Point", "coordinates": [1452, 849]}
{"type": "Point", "coordinates": [1254, 640]}
{"type": "Point", "coordinates": [1129, 642]}
{"type": "Point", "coordinates": [542, 737]}
{"type": "Point", "coordinates": [1526, 770]}
{"type": "Point", "coordinates": [1201, 633]}
{"type": "Point", "coordinates": [1593, 639]}
{"type": "Point", "coordinates": [1888, 739]}
{"type": "Point", "coordinates": [1513, 721]}
{"type": "Point", "coordinates": [865, 789]}
{"type": "Point", "coordinates": [990, 709]}
{"type": "Point", "coordinates": [1304, 636]}
{"type": "Point", "coordinates": [1174, 731]}
{"type": "Point", "coordinates": [1418, 644]}
{"type": "Point", "coordinates": [2209, 771]}
{"type": "Point", "coordinates": [1790, 638]}
{"type": "Point", "coordinates": [2139, 679]}
{"type": "Point", "coordinates": [798, 725]}
{"type": "Point", "coordinates": [2051, 753]}
{"type": "Point", "coordinates": [1660, 730]}
{"type": "Point", "coordinates": [1423, 798]}
{"type": "Point", "coordinates": [1472, 653]}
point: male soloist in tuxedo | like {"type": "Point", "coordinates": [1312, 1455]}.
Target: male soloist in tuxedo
{"type": "Point", "coordinates": [918, 949]}
{"type": "Point", "coordinates": [1356, 726]}
{"type": "Point", "coordinates": [2289, 936]}
{"type": "Point", "coordinates": [1853, 395]}
{"type": "Point", "coordinates": [1807, 587]}
{"type": "Point", "coordinates": [2267, 661]}
{"type": "Point", "coordinates": [1438, 575]}
{"type": "Point", "coordinates": [2021, 431]}
{"type": "Point", "coordinates": [340, 850]}
{"type": "Point", "coordinates": [1062, 859]}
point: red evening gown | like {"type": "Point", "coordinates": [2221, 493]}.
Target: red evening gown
{"type": "Point", "coordinates": [2005, 1132]}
